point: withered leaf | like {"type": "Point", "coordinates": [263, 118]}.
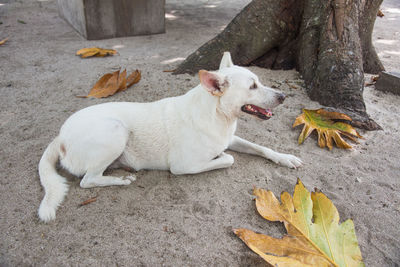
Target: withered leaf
{"type": "Point", "coordinates": [134, 78]}
{"type": "Point", "coordinates": [373, 81]}
{"type": "Point", "coordinates": [111, 83]}
{"type": "Point", "coordinates": [106, 52]}
{"type": "Point", "coordinates": [110, 87]}
{"type": "Point", "coordinates": [122, 81]}
{"type": "Point", "coordinates": [95, 51]}
{"type": "Point", "coordinates": [380, 13]}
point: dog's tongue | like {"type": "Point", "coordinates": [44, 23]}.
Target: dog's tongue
{"type": "Point", "coordinates": [264, 114]}
{"type": "Point", "coordinates": [267, 112]}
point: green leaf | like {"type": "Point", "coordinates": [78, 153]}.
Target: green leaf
{"type": "Point", "coordinates": [323, 122]}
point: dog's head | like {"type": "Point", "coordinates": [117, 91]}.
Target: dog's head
{"type": "Point", "coordinates": [240, 90]}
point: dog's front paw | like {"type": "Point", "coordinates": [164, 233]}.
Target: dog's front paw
{"type": "Point", "coordinates": [131, 178]}
{"type": "Point", "coordinates": [289, 161]}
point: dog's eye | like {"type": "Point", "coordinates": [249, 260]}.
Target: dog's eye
{"type": "Point", "coordinates": [253, 86]}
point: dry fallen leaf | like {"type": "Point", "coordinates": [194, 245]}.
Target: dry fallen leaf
{"type": "Point", "coordinates": [111, 83]}
{"type": "Point", "coordinates": [95, 52]}
{"type": "Point", "coordinates": [380, 13]}
{"type": "Point", "coordinates": [3, 41]}
{"type": "Point", "coordinates": [328, 129]}
{"type": "Point", "coordinates": [314, 235]}
{"type": "Point", "coordinates": [134, 78]}
{"type": "Point", "coordinates": [373, 81]}
{"type": "Point", "coordinates": [122, 81]}
{"type": "Point", "coordinates": [110, 87]}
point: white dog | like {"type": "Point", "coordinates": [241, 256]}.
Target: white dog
{"type": "Point", "coordinates": [185, 134]}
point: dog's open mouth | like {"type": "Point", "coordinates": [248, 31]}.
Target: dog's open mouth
{"type": "Point", "coordinates": [263, 114]}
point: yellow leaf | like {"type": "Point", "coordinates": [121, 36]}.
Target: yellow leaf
{"type": "Point", "coordinates": [280, 261]}
{"type": "Point", "coordinates": [328, 129]}
{"type": "Point", "coordinates": [315, 237]}
{"type": "Point", "coordinates": [106, 52]}
{"type": "Point", "coordinates": [95, 51]}
{"type": "Point", "coordinates": [3, 41]}
{"type": "Point", "coordinates": [298, 248]}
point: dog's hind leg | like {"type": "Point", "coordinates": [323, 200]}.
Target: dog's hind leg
{"type": "Point", "coordinates": [240, 145]}
{"type": "Point", "coordinates": [118, 164]}
{"type": "Point", "coordinates": [106, 156]}
{"type": "Point", "coordinates": [91, 147]}
{"type": "Point", "coordinates": [92, 179]}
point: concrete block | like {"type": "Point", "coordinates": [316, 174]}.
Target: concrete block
{"type": "Point", "coordinates": [102, 19]}
{"type": "Point", "coordinates": [388, 82]}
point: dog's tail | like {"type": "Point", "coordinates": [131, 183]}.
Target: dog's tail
{"type": "Point", "coordinates": [54, 185]}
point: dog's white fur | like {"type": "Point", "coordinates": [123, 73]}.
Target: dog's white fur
{"type": "Point", "coordinates": [186, 134]}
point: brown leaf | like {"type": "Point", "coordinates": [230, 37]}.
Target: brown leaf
{"type": "Point", "coordinates": [111, 83]}
{"type": "Point", "coordinates": [122, 81]}
{"type": "Point", "coordinates": [133, 78]}
{"type": "Point", "coordinates": [3, 41]}
{"type": "Point", "coordinates": [88, 201]}
{"type": "Point", "coordinates": [380, 13]}
{"type": "Point", "coordinates": [105, 87]}
{"type": "Point", "coordinates": [99, 85]}
{"type": "Point", "coordinates": [373, 80]}
{"type": "Point", "coordinates": [95, 51]}
{"type": "Point", "coordinates": [368, 84]}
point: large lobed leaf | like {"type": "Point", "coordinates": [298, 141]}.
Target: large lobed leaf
{"type": "Point", "coordinates": [328, 129]}
{"type": "Point", "coordinates": [315, 237]}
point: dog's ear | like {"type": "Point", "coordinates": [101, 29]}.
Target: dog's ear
{"type": "Point", "coordinates": [226, 61]}
{"type": "Point", "coordinates": [213, 82]}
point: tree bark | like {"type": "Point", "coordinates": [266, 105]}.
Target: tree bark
{"type": "Point", "coordinates": [248, 36]}
{"type": "Point", "coordinates": [329, 42]}
{"type": "Point", "coordinates": [368, 11]}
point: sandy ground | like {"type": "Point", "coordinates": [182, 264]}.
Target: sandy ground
{"type": "Point", "coordinates": [162, 219]}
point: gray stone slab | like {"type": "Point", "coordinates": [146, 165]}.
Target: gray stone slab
{"type": "Point", "coordinates": [388, 82]}
{"type": "Point", "coordinates": [102, 19]}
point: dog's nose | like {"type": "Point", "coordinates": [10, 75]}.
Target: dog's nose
{"type": "Point", "coordinates": [281, 98]}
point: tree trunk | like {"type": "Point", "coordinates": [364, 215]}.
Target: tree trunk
{"type": "Point", "coordinates": [329, 42]}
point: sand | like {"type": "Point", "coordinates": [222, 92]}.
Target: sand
{"type": "Point", "coordinates": [162, 219]}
